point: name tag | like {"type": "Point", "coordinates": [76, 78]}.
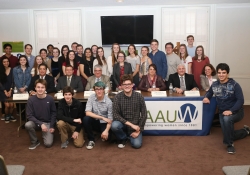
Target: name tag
{"type": "Point", "coordinates": [138, 91]}
{"type": "Point", "coordinates": [192, 93]}
{"type": "Point", "coordinates": [158, 93]}
{"type": "Point", "coordinates": [88, 93]}
{"type": "Point", "coordinates": [21, 96]}
{"type": "Point", "coordinates": [59, 95]}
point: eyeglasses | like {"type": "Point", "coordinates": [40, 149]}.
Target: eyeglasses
{"type": "Point", "coordinates": [98, 89]}
{"type": "Point", "coordinates": [127, 84]}
{"type": "Point", "coordinates": [97, 70]}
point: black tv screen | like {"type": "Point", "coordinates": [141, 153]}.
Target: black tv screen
{"type": "Point", "coordinates": [127, 30]}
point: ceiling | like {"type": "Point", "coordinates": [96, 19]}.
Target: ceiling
{"type": "Point", "coordinates": [41, 4]}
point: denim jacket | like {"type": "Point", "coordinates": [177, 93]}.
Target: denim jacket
{"type": "Point", "coordinates": [21, 79]}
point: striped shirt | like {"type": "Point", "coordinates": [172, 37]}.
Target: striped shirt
{"type": "Point", "coordinates": [102, 108]}
{"type": "Point", "coordinates": [132, 109]}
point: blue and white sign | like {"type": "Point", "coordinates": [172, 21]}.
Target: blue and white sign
{"type": "Point", "coordinates": [174, 115]}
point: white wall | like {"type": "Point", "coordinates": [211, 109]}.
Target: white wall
{"type": "Point", "coordinates": [14, 26]}
{"type": "Point", "coordinates": [229, 33]}
{"type": "Point", "coordinates": [232, 42]}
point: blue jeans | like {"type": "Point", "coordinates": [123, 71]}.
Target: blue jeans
{"type": "Point", "coordinates": [119, 129]}
{"type": "Point", "coordinates": [227, 126]}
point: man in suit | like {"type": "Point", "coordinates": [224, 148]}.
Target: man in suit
{"type": "Point", "coordinates": [70, 80]}
{"type": "Point", "coordinates": [182, 81]}
{"type": "Point", "coordinates": [96, 78]}
{"type": "Point", "coordinates": [42, 75]}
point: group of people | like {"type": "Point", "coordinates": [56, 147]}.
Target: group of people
{"type": "Point", "coordinates": [77, 70]}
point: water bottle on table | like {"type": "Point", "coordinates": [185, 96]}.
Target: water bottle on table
{"type": "Point", "coordinates": [170, 88]}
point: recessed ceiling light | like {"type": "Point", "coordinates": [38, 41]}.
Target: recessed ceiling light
{"type": "Point", "coordinates": [119, 0]}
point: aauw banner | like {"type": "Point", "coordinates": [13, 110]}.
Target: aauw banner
{"type": "Point", "coordinates": [174, 115]}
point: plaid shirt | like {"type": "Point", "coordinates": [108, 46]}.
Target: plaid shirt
{"type": "Point", "coordinates": [132, 109]}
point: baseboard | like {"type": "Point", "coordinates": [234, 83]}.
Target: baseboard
{"type": "Point", "coordinates": [247, 102]}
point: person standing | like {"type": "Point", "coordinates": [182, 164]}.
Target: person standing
{"type": "Point", "coordinates": [31, 58]}
{"type": "Point", "coordinates": [7, 50]}
{"type": "Point", "coordinates": [112, 59]}
{"type": "Point", "coordinates": [172, 59]}
{"type": "Point", "coordinates": [69, 116]}
{"type": "Point", "coordinates": [230, 100]}
{"type": "Point", "coordinates": [145, 61]}
{"type": "Point", "coordinates": [134, 59]}
{"type": "Point", "coordinates": [158, 58]}
{"type": "Point", "coordinates": [53, 65]}
{"type": "Point", "coordinates": [21, 73]}
{"type": "Point", "coordinates": [199, 61]}
{"type": "Point", "coordinates": [190, 47]}
{"type": "Point", "coordinates": [41, 113]}
{"type": "Point", "coordinates": [185, 58]}
{"type": "Point", "coordinates": [129, 114]}
{"type": "Point", "coordinates": [6, 85]}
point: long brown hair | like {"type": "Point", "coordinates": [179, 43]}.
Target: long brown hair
{"type": "Point", "coordinates": [98, 57]}
{"type": "Point", "coordinates": [132, 45]}
{"type": "Point", "coordinates": [202, 56]}
{"type": "Point", "coordinates": [113, 54]}
{"type": "Point", "coordinates": [36, 65]}
{"type": "Point", "coordinates": [186, 52]}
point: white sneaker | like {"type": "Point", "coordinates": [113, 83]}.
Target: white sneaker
{"type": "Point", "coordinates": [90, 145]}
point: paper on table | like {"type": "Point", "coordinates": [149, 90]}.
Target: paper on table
{"type": "Point", "coordinates": [21, 96]}
{"type": "Point", "coordinates": [192, 93]}
{"type": "Point", "coordinates": [88, 93]}
{"type": "Point", "coordinates": [158, 93]}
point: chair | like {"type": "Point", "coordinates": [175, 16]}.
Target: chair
{"type": "Point", "coordinates": [10, 169]}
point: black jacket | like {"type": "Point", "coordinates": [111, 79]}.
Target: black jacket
{"type": "Point", "coordinates": [175, 80]}
{"type": "Point", "coordinates": [50, 83]}
{"type": "Point", "coordinates": [68, 113]}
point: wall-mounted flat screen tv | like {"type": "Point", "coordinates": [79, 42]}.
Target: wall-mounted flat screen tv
{"type": "Point", "coordinates": [127, 30]}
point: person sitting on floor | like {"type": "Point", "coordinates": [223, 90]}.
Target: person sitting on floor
{"type": "Point", "coordinates": [69, 116]}
{"type": "Point", "coordinates": [41, 113]}
{"type": "Point", "coordinates": [130, 114]}
{"type": "Point", "coordinates": [230, 100]}
{"type": "Point", "coordinates": [182, 81]}
{"type": "Point", "coordinates": [97, 77]}
{"type": "Point", "coordinates": [70, 80]}
{"type": "Point", "coordinates": [42, 75]}
{"type": "Point", "coordinates": [152, 82]}
{"type": "Point", "coordinates": [98, 115]}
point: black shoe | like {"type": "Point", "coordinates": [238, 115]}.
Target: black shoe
{"type": "Point", "coordinates": [122, 143]}
{"type": "Point", "coordinates": [230, 149]}
{"type": "Point", "coordinates": [12, 119]}
{"type": "Point", "coordinates": [247, 128]}
{"type": "Point", "coordinates": [7, 118]}
{"type": "Point", "coordinates": [34, 145]}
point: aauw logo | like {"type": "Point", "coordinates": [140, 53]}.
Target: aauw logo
{"type": "Point", "coordinates": [187, 113]}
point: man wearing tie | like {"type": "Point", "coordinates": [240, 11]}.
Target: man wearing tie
{"type": "Point", "coordinates": [182, 81]}
{"type": "Point", "coordinates": [42, 75]}
{"type": "Point", "coordinates": [97, 77]}
{"type": "Point", "coordinates": [70, 80]}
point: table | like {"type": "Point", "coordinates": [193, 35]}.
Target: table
{"type": "Point", "coordinates": [179, 115]}
{"type": "Point", "coordinates": [171, 115]}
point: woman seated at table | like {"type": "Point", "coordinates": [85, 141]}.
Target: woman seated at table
{"type": "Point", "coordinates": [38, 61]}
{"type": "Point", "coordinates": [21, 73]}
{"type": "Point", "coordinates": [121, 68]}
{"type": "Point", "coordinates": [151, 81]}
{"type": "Point", "coordinates": [208, 76]}
{"type": "Point", "coordinates": [6, 84]}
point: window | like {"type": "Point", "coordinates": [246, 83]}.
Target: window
{"type": "Point", "coordinates": [57, 27]}
{"type": "Point", "coordinates": [178, 23]}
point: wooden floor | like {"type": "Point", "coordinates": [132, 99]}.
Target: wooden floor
{"type": "Point", "coordinates": [159, 155]}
